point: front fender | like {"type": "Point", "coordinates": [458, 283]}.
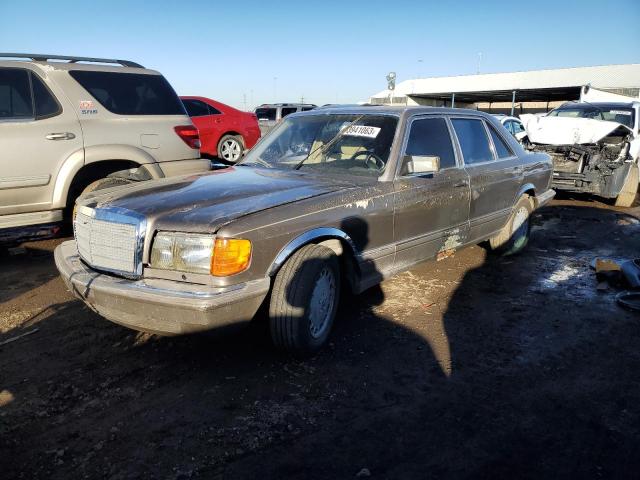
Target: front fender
{"type": "Point", "coordinates": [322, 233]}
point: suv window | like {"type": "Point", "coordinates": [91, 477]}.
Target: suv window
{"type": "Point", "coordinates": [287, 111]}
{"type": "Point", "coordinates": [15, 93]}
{"type": "Point", "coordinates": [45, 103]}
{"type": "Point", "coordinates": [266, 113]}
{"type": "Point", "coordinates": [130, 93]}
{"type": "Point", "coordinates": [473, 140]}
{"type": "Point", "coordinates": [502, 149]}
{"type": "Point", "coordinates": [430, 137]}
{"type": "Point", "coordinates": [196, 108]}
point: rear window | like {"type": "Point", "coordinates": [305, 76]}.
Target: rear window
{"type": "Point", "coordinates": [287, 111]}
{"type": "Point", "coordinates": [266, 113]}
{"type": "Point", "coordinates": [131, 93]}
{"type": "Point", "coordinates": [15, 94]}
{"type": "Point", "coordinates": [502, 149]}
{"type": "Point", "coordinates": [473, 140]}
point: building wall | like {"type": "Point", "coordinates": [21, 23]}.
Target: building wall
{"type": "Point", "coordinates": [520, 107]}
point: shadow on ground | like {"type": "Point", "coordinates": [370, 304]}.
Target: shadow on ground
{"type": "Point", "coordinates": [475, 366]}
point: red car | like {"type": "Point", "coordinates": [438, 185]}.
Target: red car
{"type": "Point", "coordinates": [224, 131]}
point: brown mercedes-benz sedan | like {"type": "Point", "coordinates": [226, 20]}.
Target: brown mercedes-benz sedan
{"type": "Point", "coordinates": [341, 196]}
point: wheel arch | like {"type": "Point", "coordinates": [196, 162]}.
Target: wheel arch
{"type": "Point", "coordinates": [528, 189]}
{"type": "Point", "coordinates": [330, 237]}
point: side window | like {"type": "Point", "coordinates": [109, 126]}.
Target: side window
{"type": "Point", "coordinates": [266, 113]}
{"type": "Point", "coordinates": [196, 108]}
{"type": "Point", "coordinates": [306, 109]}
{"type": "Point", "coordinates": [502, 149]}
{"type": "Point", "coordinates": [130, 93]}
{"type": "Point", "coordinates": [509, 126]}
{"type": "Point", "coordinates": [287, 111]}
{"type": "Point", "coordinates": [429, 137]}
{"type": "Point", "coordinates": [15, 94]}
{"type": "Point", "coordinates": [214, 110]}
{"type": "Point", "coordinates": [45, 103]}
{"type": "Point", "coordinates": [517, 127]}
{"type": "Point", "coordinates": [473, 140]}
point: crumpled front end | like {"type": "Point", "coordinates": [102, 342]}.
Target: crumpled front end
{"type": "Point", "coordinates": [589, 156]}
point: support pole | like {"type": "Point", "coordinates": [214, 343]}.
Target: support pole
{"type": "Point", "coordinates": [513, 102]}
{"type": "Point", "coordinates": [453, 100]}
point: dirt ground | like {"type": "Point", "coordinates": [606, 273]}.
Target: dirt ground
{"type": "Point", "coordinates": [471, 367]}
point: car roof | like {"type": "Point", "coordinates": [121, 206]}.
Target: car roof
{"type": "Point", "coordinates": [588, 105]}
{"type": "Point", "coordinates": [399, 110]}
{"type": "Point", "coordinates": [64, 62]}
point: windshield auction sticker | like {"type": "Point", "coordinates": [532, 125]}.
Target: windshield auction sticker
{"type": "Point", "coordinates": [362, 131]}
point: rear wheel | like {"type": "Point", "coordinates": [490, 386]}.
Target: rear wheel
{"type": "Point", "coordinates": [515, 234]}
{"type": "Point", "coordinates": [305, 299]}
{"type": "Point", "coordinates": [627, 195]}
{"type": "Point", "coordinates": [230, 148]}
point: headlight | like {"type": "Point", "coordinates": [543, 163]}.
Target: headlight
{"type": "Point", "coordinates": [191, 253]}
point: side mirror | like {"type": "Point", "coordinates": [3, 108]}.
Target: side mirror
{"type": "Point", "coordinates": [422, 164]}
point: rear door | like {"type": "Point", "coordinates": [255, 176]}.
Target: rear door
{"type": "Point", "coordinates": [38, 132]}
{"type": "Point", "coordinates": [495, 173]}
{"type": "Point", "coordinates": [431, 210]}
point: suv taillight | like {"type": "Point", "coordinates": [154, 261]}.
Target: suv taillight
{"type": "Point", "coordinates": [189, 134]}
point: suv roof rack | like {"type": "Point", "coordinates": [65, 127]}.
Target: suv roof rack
{"type": "Point", "coordinates": [38, 57]}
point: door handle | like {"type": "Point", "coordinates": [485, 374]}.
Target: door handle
{"type": "Point", "coordinates": [60, 136]}
{"type": "Point", "coordinates": [462, 183]}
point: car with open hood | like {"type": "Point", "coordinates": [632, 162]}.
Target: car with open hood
{"type": "Point", "coordinates": [332, 197]}
{"type": "Point", "coordinates": [595, 147]}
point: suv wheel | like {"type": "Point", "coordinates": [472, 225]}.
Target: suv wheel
{"type": "Point", "coordinates": [514, 236]}
{"type": "Point", "coordinates": [305, 299]}
{"type": "Point", "coordinates": [230, 148]}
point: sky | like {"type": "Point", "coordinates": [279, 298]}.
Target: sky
{"type": "Point", "coordinates": [251, 52]}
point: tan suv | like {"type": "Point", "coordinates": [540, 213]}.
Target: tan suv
{"type": "Point", "coordinates": [75, 124]}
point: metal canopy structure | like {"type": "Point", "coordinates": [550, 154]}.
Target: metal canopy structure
{"type": "Point", "coordinates": [561, 84]}
{"type": "Point", "coordinates": [530, 95]}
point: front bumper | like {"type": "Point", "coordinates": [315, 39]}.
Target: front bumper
{"type": "Point", "coordinates": [164, 307]}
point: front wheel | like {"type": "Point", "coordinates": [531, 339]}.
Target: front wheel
{"type": "Point", "coordinates": [304, 300]}
{"type": "Point", "coordinates": [230, 148]}
{"type": "Point", "coordinates": [514, 236]}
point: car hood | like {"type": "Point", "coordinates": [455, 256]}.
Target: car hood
{"type": "Point", "coordinates": [570, 131]}
{"type": "Point", "coordinates": [205, 202]}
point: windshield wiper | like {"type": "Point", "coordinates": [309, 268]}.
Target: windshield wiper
{"type": "Point", "coordinates": [324, 148]}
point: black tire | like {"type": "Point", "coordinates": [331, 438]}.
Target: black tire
{"type": "Point", "coordinates": [630, 189]}
{"type": "Point", "coordinates": [235, 151]}
{"type": "Point", "coordinates": [513, 238]}
{"type": "Point", "coordinates": [300, 316]}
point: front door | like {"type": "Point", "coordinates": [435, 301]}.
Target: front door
{"type": "Point", "coordinates": [431, 209]}
{"type": "Point", "coordinates": [36, 136]}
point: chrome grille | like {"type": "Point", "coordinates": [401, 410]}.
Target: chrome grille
{"type": "Point", "coordinates": [110, 239]}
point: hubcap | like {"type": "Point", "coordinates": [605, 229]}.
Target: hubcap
{"type": "Point", "coordinates": [230, 150]}
{"type": "Point", "coordinates": [520, 226]}
{"type": "Point", "coordinates": [323, 298]}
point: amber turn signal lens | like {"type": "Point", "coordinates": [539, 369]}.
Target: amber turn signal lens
{"type": "Point", "coordinates": [230, 256]}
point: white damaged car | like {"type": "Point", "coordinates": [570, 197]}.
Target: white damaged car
{"type": "Point", "coordinates": [594, 147]}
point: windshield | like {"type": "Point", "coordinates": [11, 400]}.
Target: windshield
{"type": "Point", "coordinates": [350, 143]}
{"type": "Point", "coordinates": [618, 114]}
